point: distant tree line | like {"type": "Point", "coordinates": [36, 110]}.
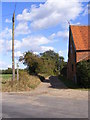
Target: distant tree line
{"type": "Point", "coordinates": [8, 71]}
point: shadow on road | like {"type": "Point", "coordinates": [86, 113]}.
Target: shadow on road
{"type": "Point", "coordinates": [55, 83]}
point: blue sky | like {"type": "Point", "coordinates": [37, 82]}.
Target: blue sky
{"type": "Point", "coordinates": [39, 26]}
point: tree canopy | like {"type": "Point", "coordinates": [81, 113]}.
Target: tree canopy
{"type": "Point", "coordinates": [48, 62]}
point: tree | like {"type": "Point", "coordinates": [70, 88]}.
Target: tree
{"type": "Point", "coordinates": [52, 61]}
{"type": "Point", "coordinates": [62, 63]}
{"type": "Point", "coordinates": [32, 61]}
{"type": "Point", "coordinates": [45, 63]}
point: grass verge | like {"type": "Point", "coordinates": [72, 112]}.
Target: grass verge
{"type": "Point", "coordinates": [5, 76]}
{"type": "Point", "coordinates": [26, 82]}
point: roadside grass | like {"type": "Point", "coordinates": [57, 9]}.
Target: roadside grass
{"type": "Point", "coordinates": [5, 76]}
{"type": "Point", "coordinates": [26, 82]}
{"type": "Point", "coordinates": [70, 84]}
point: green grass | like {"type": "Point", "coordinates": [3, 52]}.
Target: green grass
{"type": "Point", "coordinates": [70, 84]}
{"type": "Point", "coordinates": [5, 76]}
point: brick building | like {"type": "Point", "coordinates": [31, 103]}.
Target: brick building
{"type": "Point", "coordinates": [79, 48]}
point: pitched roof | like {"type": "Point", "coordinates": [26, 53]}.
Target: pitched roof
{"type": "Point", "coordinates": [80, 36]}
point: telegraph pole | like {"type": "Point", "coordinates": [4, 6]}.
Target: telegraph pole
{"type": "Point", "coordinates": [13, 65]}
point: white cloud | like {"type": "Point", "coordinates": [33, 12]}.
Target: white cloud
{"type": "Point", "coordinates": [9, 66]}
{"type": "Point", "coordinates": [34, 43]}
{"type": "Point", "coordinates": [52, 36]}
{"type": "Point", "coordinates": [35, 40]}
{"type": "Point", "coordinates": [22, 28]}
{"type": "Point", "coordinates": [60, 53]}
{"type": "Point", "coordinates": [63, 53]}
{"type": "Point", "coordinates": [45, 48]}
{"type": "Point", "coordinates": [6, 33]}
{"type": "Point", "coordinates": [8, 45]}
{"type": "Point", "coordinates": [51, 13]}
{"type": "Point", "coordinates": [36, 53]}
{"type": "Point", "coordinates": [85, 12]}
{"type": "Point", "coordinates": [18, 54]}
{"type": "Point", "coordinates": [86, 9]}
{"type": "Point", "coordinates": [8, 21]}
{"type": "Point", "coordinates": [63, 34]}
{"type": "Point", "coordinates": [2, 64]}
{"type": "Point", "coordinates": [1, 45]}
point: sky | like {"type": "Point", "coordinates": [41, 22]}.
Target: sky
{"type": "Point", "coordinates": [39, 26]}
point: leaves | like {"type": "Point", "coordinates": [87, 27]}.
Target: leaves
{"type": "Point", "coordinates": [48, 62]}
{"type": "Point", "coordinates": [83, 73]}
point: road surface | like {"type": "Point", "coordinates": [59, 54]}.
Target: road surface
{"type": "Point", "coordinates": [52, 99]}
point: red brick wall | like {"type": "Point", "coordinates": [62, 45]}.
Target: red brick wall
{"type": "Point", "coordinates": [71, 60]}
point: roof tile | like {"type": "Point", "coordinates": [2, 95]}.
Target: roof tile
{"type": "Point", "coordinates": [80, 36]}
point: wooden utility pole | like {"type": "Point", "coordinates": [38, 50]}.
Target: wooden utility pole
{"type": "Point", "coordinates": [13, 66]}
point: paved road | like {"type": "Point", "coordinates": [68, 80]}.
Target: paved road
{"type": "Point", "coordinates": [50, 100]}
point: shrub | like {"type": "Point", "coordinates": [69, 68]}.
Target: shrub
{"type": "Point", "coordinates": [83, 74]}
{"type": "Point", "coordinates": [64, 71]}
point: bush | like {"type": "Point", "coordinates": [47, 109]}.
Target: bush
{"type": "Point", "coordinates": [83, 74]}
{"type": "Point", "coordinates": [64, 71]}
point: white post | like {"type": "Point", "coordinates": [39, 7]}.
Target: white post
{"type": "Point", "coordinates": [17, 72]}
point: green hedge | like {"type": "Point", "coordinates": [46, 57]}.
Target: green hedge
{"type": "Point", "coordinates": [83, 74]}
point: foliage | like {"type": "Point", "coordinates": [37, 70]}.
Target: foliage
{"type": "Point", "coordinates": [48, 62]}
{"type": "Point", "coordinates": [83, 74]}
{"type": "Point", "coordinates": [51, 62]}
{"type": "Point", "coordinates": [64, 70]}
{"type": "Point", "coordinates": [32, 61]}
{"type": "Point", "coordinates": [62, 63]}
